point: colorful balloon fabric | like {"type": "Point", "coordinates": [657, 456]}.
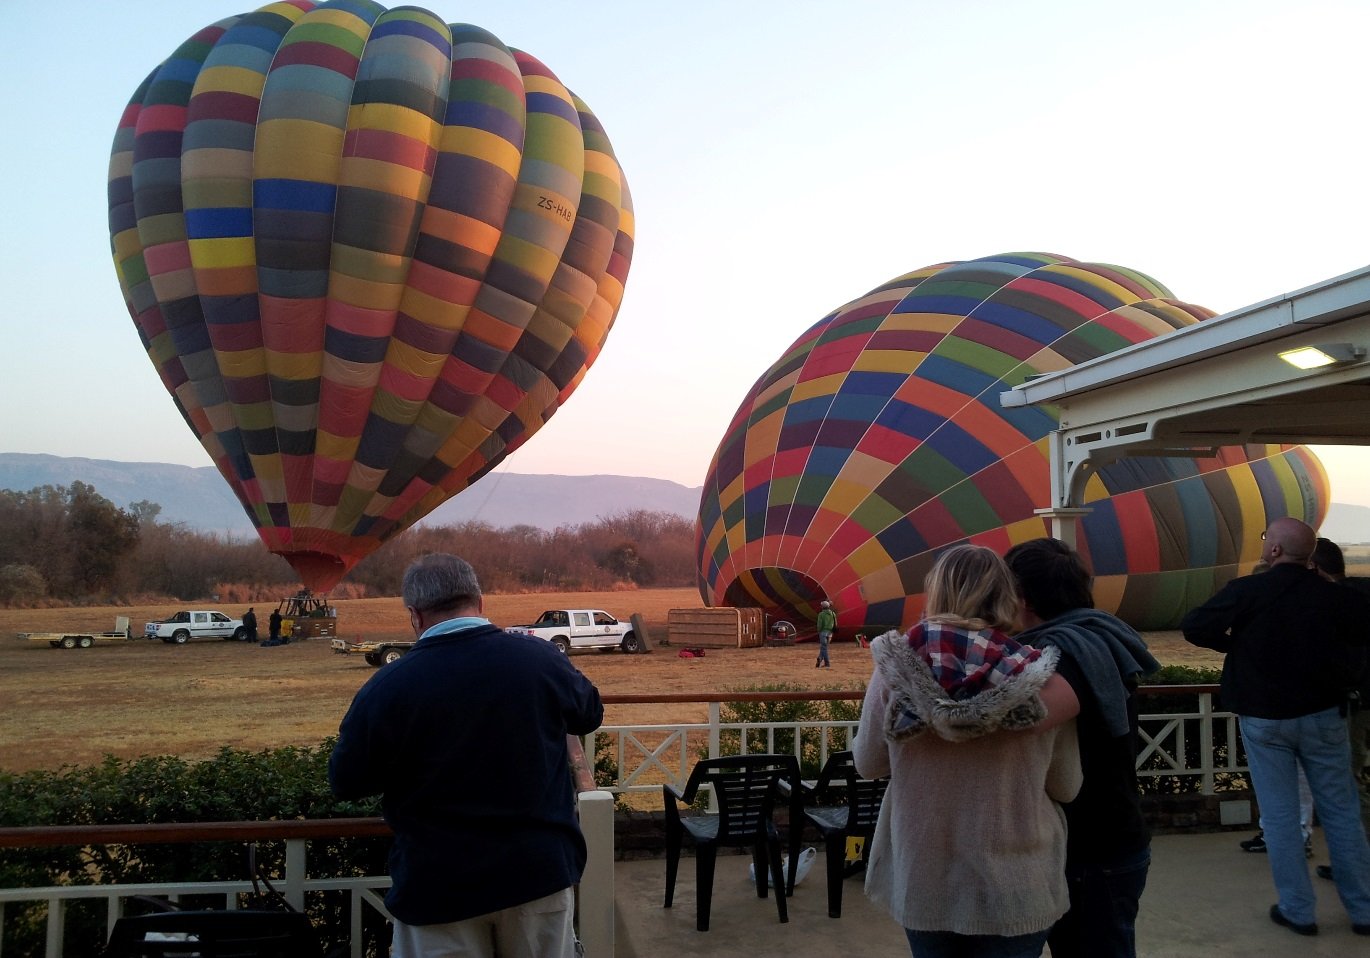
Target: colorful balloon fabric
{"type": "Point", "coordinates": [369, 253]}
{"type": "Point", "coordinates": [877, 440]}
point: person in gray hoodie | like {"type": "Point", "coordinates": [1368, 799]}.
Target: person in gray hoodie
{"type": "Point", "coordinates": [1108, 845]}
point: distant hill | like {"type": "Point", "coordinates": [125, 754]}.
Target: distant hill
{"type": "Point", "coordinates": [200, 498]}
{"type": "Point", "coordinates": [1346, 524]}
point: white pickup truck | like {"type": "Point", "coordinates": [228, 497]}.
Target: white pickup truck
{"type": "Point", "coordinates": [569, 629]}
{"type": "Point", "coordinates": [184, 626]}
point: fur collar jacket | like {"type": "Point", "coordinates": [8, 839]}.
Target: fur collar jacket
{"type": "Point", "coordinates": [918, 704]}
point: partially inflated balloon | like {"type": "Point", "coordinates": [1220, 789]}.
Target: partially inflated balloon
{"type": "Point", "coordinates": [877, 440]}
{"type": "Point", "coordinates": [369, 254]}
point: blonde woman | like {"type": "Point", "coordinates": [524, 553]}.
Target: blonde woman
{"type": "Point", "coordinates": [975, 732]}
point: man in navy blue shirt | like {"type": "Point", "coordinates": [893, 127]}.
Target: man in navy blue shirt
{"type": "Point", "coordinates": [465, 739]}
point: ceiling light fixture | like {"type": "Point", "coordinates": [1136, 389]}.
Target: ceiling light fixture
{"type": "Point", "coordinates": [1324, 354]}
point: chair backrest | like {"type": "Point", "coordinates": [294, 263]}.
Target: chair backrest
{"type": "Point", "coordinates": [862, 795]}
{"type": "Point", "coordinates": [745, 787]}
{"type": "Point", "coordinates": [216, 934]}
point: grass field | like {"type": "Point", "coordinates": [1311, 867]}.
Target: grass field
{"type": "Point", "coordinates": [146, 697]}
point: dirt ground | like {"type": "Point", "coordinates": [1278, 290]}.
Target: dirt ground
{"type": "Point", "coordinates": [139, 697]}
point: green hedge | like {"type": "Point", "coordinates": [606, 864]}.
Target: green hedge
{"type": "Point", "coordinates": [802, 711]}
{"type": "Point", "coordinates": [235, 785]}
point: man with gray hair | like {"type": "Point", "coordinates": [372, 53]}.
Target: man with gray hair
{"type": "Point", "coordinates": [1287, 633]}
{"type": "Point", "coordinates": [465, 739]}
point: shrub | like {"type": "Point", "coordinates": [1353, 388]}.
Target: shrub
{"type": "Point", "coordinates": [803, 711]}
{"type": "Point", "coordinates": [235, 785]}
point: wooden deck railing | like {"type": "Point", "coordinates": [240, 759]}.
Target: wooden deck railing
{"type": "Point", "coordinates": [1173, 743]}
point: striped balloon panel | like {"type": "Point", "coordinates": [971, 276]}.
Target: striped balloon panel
{"type": "Point", "coordinates": [876, 440]}
{"type": "Point", "coordinates": [368, 253]}
{"type": "Point", "coordinates": [568, 328]}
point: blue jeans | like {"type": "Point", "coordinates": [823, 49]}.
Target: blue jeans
{"type": "Point", "coordinates": [1102, 920]}
{"type": "Point", "coordinates": [1275, 749]}
{"type": "Point", "coordinates": [823, 639]}
{"type": "Point", "coordinates": [948, 944]}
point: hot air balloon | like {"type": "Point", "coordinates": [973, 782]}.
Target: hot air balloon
{"type": "Point", "coordinates": [877, 440]}
{"type": "Point", "coordinates": [369, 253]}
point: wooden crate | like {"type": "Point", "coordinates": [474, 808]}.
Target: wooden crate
{"type": "Point", "coordinates": [717, 627]}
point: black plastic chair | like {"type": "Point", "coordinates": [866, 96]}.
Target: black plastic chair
{"type": "Point", "coordinates": [853, 817]}
{"type": "Point", "coordinates": [746, 789]}
{"type": "Point", "coordinates": [216, 934]}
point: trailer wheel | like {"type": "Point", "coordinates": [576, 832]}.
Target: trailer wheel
{"type": "Point", "coordinates": [180, 636]}
{"type": "Point", "coordinates": [85, 641]}
{"type": "Point", "coordinates": [55, 644]}
{"type": "Point", "coordinates": [68, 641]}
{"type": "Point", "coordinates": [373, 660]}
{"type": "Point", "coordinates": [563, 644]}
{"type": "Point", "coordinates": [391, 655]}
{"type": "Point", "coordinates": [630, 644]}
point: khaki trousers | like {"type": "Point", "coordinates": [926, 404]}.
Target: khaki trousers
{"type": "Point", "coordinates": [535, 929]}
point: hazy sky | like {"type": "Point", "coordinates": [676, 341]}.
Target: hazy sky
{"type": "Point", "coordinates": [784, 158]}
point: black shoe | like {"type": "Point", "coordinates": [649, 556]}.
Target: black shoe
{"type": "Point", "coordinates": [1278, 918]}
{"type": "Point", "coordinates": [1254, 844]}
{"type": "Point", "coordinates": [1360, 929]}
{"type": "Point", "coordinates": [1325, 871]}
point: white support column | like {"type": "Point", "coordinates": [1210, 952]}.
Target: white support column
{"type": "Point", "coordinates": [596, 908]}
{"type": "Point", "coordinates": [295, 869]}
{"type": "Point", "coordinates": [1064, 523]}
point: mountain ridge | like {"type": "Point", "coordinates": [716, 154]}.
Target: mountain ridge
{"type": "Point", "coordinates": [199, 497]}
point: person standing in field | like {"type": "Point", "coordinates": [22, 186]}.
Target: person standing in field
{"type": "Point", "coordinates": [1108, 845]}
{"type": "Point", "coordinates": [1289, 636]}
{"type": "Point", "coordinates": [250, 624]}
{"type": "Point", "coordinates": [465, 740]}
{"type": "Point", "coordinates": [827, 624]}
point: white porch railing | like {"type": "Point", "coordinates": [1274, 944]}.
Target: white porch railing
{"type": "Point", "coordinates": [1178, 744]}
{"type": "Point", "coordinates": [1175, 744]}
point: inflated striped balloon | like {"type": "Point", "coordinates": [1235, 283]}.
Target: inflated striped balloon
{"type": "Point", "coordinates": [877, 440]}
{"type": "Point", "coordinates": [369, 254]}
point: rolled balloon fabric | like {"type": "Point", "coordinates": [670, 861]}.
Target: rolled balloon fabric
{"type": "Point", "coordinates": [877, 440]}
{"type": "Point", "coordinates": [369, 253]}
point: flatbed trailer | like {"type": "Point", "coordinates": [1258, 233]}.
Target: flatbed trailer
{"type": "Point", "coordinates": [377, 653]}
{"type": "Point", "coordinates": [81, 639]}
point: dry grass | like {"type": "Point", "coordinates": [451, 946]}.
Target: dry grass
{"type": "Point", "coordinates": [144, 698]}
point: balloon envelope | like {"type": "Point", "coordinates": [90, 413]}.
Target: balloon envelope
{"type": "Point", "coordinates": [877, 440]}
{"type": "Point", "coordinates": [369, 254]}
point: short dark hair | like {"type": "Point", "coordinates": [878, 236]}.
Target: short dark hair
{"type": "Point", "coordinates": [440, 582]}
{"type": "Point", "coordinates": [1328, 558]}
{"type": "Point", "coordinates": [1052, 578]}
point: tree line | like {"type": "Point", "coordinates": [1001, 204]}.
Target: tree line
{"type": "Point", "coordinates": [64, 545]}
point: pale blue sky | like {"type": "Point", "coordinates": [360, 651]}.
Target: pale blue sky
{"type": "Point", "coordinates": [784, 158]}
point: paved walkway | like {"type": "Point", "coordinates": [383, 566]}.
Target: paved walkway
{"type": "Point", "coordinates": [1205, 897]}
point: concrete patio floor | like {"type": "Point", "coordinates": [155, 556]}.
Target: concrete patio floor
{"type": "Point", "coordinates": [1204, 897]}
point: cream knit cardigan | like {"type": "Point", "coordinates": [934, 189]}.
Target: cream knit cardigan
{"type": "Point", "coordinates": [971, 838]}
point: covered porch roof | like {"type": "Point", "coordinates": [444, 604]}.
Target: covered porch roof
{"type": "Point", "coordinates": [1220, 382]}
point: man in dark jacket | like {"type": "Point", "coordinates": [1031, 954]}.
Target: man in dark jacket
{"type": "Point", "coordinates": [1289, 635]}
{"type": "Point", "coordinates": [1108, 846]}
{"type": "Point", "coordinates": [1331, 565]}
{"type": "Point", "coordinates": [465, 739]}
